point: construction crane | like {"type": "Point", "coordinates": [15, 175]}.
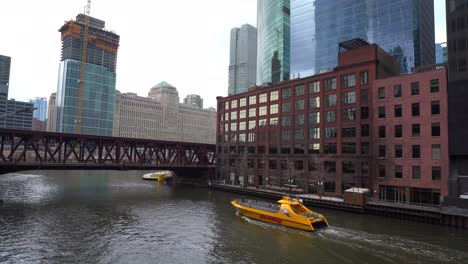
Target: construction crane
{"type": "Point", "coordinates": [79, 113]}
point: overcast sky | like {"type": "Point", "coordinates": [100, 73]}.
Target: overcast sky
{"type": "Point", "coordinates": [185, 43]}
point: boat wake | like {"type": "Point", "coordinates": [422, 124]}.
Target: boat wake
{"type": "Point", "coordinates": [392, 248]}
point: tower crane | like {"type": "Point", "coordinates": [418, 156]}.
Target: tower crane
{"type": "Point", "coordinates": [79, 113]}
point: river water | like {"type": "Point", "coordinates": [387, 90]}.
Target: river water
{"type": "Point", "coordinates": [115, 217]}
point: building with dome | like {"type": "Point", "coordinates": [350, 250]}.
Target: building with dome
{"type": "Point", "coordinates": [161, 116]}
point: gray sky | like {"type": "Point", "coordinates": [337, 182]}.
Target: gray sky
{"type": "Point", "coordinates": [185, 43]}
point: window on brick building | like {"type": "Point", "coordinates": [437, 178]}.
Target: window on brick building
{"type": "Point", "coordinates": [381, 93]}
{"type": "Point", "coordinates": [398, 151]}
{"type": "Point", "coordinates": [314, 133]}
{"type": "Point", "coordinates": [252, 100]}
{"type": "Point", "coordinates": [299, 134]}
{"type": "Point", "coordinates": [314, 118]}
{"type": "Point", "coordinates": [299, 119]}
{"type": "Point", "coordinates": [365, 168]}
{"type": "Point", "coordinates": [398, 171]}
{"type": "Point", "coordinates": [381, 131]}
{"type": "Point", "coordinates": [435, 107]}
{"type": "Point", "coordinates": [348, 148]}
{"type": "Point", "coordinates": [330, 116]}
{"type": "Point", "coordinates": [284, 164]}
{"type": "Point", "coordinates": [285, 107]}
{"type": "Point", "coordinates": [329, 166]}
{"type": "Point", "coordinates": [415, 88]}
{"type": "Point", "coordinates": [435, 129]}
{"type": "Point", "coordinates": [416, 173]}
{"type": "Point", "coordinates": [273, 95]}
{"type": "Point", "coordinates": [435, 151]}
{"type": "Point", "coordinates": [299, 149]}
{"type": "Point", "coordinates": [329, 148]}
{"type": "Point", "coordinates": [299, 90]}
{"type": "Point", "coordinates": [348, 97]}
{"type": "Point", "coordinates": [364, 78]}
{"type": "Point", "coordinates": [398, 131]}
{"type": "Point", "coordinates": [262, 110]}
{"type": "Point", "coordinates": [349, 114]}
{"type": "Point", "coordinates": [330, 100]}
{"type": "Point", "coordinates": [314, 102]}
{"type": "Point", "coordinates": [314, 87]}
{"type": "Point", "coordinates": [272, 165]}
{"type": "Point", "coordinates": [398, 110]}
{"type": "Point", "coordinates": [415, 109]}
{"type": "Point", "coordinates": [348, 132]}
{"type": "Point", "coordinates": [285, 149]}
{"type": "Point", "coordinates": [416, 151]}
{"type": "Point", "coordinates": [381, 111]}
{"type": "Point", "coordinates": [364, 95]}
{"type": "Point", "coordinates": [252, 112]}
{"type": "Point", "coordinates": [415, 130]}
{"type": "Point", "coordinates": [286, 93]}
{"type": "Point", "coordinates": [314, 148]}
{"type": "Point", "coordinates": [299, 105]}
{"type": "Point", "coordinates": [330, 132]}
{"type": "Point", "coordinates": [436, 173]}
{"type": "Point", "coordinates": [364, 112]}
{"type": "Point", "coordinates": [381, 171]}
{"type": "Point", "coordinates": [434, 86]}
{"type": "Point", "coordinates": [365, 130]}
{"type": "Point", "coordinates": [330, 84]}
{"type": "Point", "coordinates": [348, 81]}
{"type": "Point", "coordinates": [349, 167]}
{"type": "Point", "coordinates": [382, 150]}
{"type": "Point", "coordinates": [365, 148]}
{"type": "Point", "coordinates": [397, 90]}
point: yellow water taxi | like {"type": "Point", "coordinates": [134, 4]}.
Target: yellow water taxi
{"type": "Point", "coordinates": [289, 212]}
{"type": "Point", "coordinates": [160, 175]}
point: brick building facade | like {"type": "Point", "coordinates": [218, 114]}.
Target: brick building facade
{"type": "Point", "coordinates": [322, 131]}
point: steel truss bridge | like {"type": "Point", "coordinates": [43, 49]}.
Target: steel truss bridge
{"type": "Point", "coordinates": [30, 150]}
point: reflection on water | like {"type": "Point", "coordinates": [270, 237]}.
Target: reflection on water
{"type": "Point", "coordinates": [115, 217]}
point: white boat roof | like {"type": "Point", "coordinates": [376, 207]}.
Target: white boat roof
{"type": "Point", "coordinates": [357, 190]}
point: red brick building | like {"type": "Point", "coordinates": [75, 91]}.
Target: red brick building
{"type": "Point", "coordinates": [410, 127]}
{"type": "Point", "coordinates": [321, 130]}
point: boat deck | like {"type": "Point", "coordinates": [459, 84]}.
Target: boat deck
{"type": "Point", "coordinates": [261, 205]}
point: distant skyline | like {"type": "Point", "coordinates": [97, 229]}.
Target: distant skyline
{"type": "Point", "coordinates": [185, 43]}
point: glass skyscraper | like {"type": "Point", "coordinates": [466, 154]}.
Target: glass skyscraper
{"type": "Point", "coordinates": [40, 103]}
{"type": "Point", "coordinates": [403, 28]}
{"type": "Point", "coordinates": [97, 115]}
{"type": "Point", "coordinates": [242, 59]}
{"type": "Point", "coordinates": [273, 41]}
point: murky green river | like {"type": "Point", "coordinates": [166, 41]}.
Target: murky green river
{"type": "Point", "coordinates": [115, 217]}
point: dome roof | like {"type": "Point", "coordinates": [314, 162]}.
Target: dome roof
{"type": "Point", "coordinates": [163, 84]}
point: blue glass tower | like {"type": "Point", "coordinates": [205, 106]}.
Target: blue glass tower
{"type": "Point", "coordinates": [273, 41]}
{"type": "Point", "coordinates": [403, 28]}
{"type": "Point", "coordinates": [40, 103]}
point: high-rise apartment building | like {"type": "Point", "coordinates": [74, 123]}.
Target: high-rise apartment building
{"type": "Point", "coordinates": [13, 114]}
{"type": "Point", "coordinates": [457, 43]}
{"type": "Point", "coordinates": [5, 64]}
{"type": "Point", "coordinates": [242, 59]}
{"type": "Point", "coordinates": [194, 100]}
{"type": "Point", "coordinates": [160, 116]}
{"type": "Point", "coordinates": [40, 105]}
{"type": "Point", "coordinates": [273, 41]}
{"type": "Point", "coordinates": [362, 124]}
{"type": "Point", "coordinates": [441, 53]}
{"type": "Point", "coordinates": [100, 74]}
{"type": "Point", "coordinates": [39, 114]}
{"type": "Point", "coordinates": [52, 114]}
{"type": "Point", "coordinates": [403, 28]}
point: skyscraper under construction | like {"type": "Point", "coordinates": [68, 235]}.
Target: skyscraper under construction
{"type": "Point", "coordinates": [98, 95]}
